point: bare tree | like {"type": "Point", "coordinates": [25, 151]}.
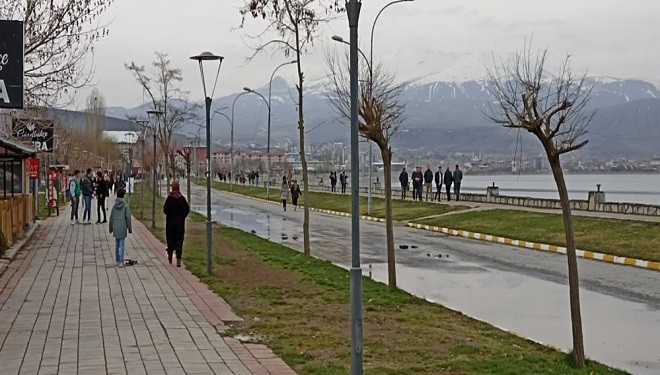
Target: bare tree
{"type": "Point", "coordinates": [95, 113]}
{"type": "Point", "coordinates": [553, 109]}
{"type": "Point", "coordinates": [381, 113]}
{"type": "Point", "coordinates": [296, 24]}
{"type": "Point", "coordinates": [59, 36]}
{"type": "Point", "coordinates": [162, 89]}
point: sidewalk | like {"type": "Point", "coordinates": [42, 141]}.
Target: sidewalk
{"type": "Point", "coordinates": [65, 308]}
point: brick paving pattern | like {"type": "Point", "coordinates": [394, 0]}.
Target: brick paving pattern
{"type": "Point", "coordinates": [65, 308]}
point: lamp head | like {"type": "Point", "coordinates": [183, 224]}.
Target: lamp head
{"type": "Point", "coordinates": [155, 112]}
{"type": "Point", "coordinates": [247, 89]}
{"type": "Point", "coordinates": [337, 38]}
{"type": "Point", "coordinates": [206, 56]}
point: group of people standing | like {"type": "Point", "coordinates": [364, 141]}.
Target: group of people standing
{"type": "Point", "coordinates": [343, 181]}
{"type": "Point", "coordinates": [421, 181]}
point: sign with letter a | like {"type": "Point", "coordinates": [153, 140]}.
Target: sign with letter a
{"type": "Point", "coordinates": [11, 64]}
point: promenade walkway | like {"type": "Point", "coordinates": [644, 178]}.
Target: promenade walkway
{"type": "Point", "coordinates": [65, 308]}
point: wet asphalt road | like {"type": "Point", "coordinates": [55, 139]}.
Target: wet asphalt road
{"type": "Point", "coordinates": [519, 290]}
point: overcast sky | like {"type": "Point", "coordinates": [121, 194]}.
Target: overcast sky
{"type": "Point", "coordinates": [424, 39]}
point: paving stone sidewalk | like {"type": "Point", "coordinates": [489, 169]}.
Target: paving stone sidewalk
{"type": "Point", "coordinates": [65, 308]}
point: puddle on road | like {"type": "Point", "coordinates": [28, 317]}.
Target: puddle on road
{"type": "Point", "coordinates": [529, 306]}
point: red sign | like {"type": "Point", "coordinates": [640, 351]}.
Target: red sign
{"type": "Point", "coordinates": [33, 167]}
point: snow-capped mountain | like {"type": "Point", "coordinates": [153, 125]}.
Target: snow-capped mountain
{"type": "Point", "coordinates": [450, 114]}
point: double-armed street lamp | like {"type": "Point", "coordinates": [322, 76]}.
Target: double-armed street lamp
{"type": "Point", "coordinates": [201, 58]}
{"type": "Point", "coordinates": [370, 63]}
{"type": "Point", "coordinates": [155, 113]}
{"type": "Point", "coordinates": [249, 90]}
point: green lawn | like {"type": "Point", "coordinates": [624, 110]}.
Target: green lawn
{"type": "Point", "coordinates": [636, 239]}
{"type": "Point", "coordinates": [299, 307]}
{"type": "Point", "coordinates": [402, 210]}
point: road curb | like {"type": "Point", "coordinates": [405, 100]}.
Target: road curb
{"type": "Point", "coordinates": [607, 258]}
{"type": "Point", "coordinates": [586, 254]}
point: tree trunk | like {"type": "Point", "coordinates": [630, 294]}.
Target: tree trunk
{"type": "Point", "coordinates": [303, 160]}
{"type": "Point", "coordinates": [386, 154]}
{"type": "Point", "coordinates": [573, 280]}
{"type": "Point", "coordinates": [188, 182]}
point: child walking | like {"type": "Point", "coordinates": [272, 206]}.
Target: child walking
{"type": "Point", "coordinates": [120, 226]}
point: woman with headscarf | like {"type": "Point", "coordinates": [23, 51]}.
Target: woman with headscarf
{"type": "Point", "coordinates": [176, 210]}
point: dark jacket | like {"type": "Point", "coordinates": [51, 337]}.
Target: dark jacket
{"type": "Point", "coordinates": [448, 178]}
{"type": "Point", "coordinates": [403, 178]}
{"type": "Point", "coordinates": [438, 178]}
{"type": "Point", "coordinates": [458, 176]}
{"type": "Point", "coordinates": [417, 178]}
{"type": "Point", "coordinates": [102, 189]}
{"type": "Point", "coordinates": [428, 176]}
{"type": "Point", "coordinates": [86, 186]}
{"type": "Point", "coordinates": [176, 209]}
{"type": "Point", "coordinates": [120, 219]}
{"type": "Point", "coordinates": [295, 192]}
{"type": "Point", "coordinates": [343, 178]}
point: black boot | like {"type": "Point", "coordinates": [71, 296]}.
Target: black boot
{"type": "Point", "coordinates": [169, 256]}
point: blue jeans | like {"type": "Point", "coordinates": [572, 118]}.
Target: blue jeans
{"type": "Point", "coordinates": [87, 214]}
{"type": "Point", "coordinates": [120, 249]}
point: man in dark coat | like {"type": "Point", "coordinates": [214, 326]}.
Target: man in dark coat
{"type": "Point", "coordinates": [458, 177]}
{"type": "Point", "coordinates": [428, 180]}
{"type": "Point", "coordinates": [438, 183]}
{"type": "Point", "coordinates": [101, 194]}
{"type": "Point", "coordinates": [403, 180]}
{"type": "Point", "coordinates": [417, 180]}
{"type": "Point", "coordinates": [448, 181]}
{"type": "Point", "coordinates": [176, 210]}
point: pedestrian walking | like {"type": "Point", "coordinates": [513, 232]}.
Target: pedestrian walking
{"type": "Point", "coordinates": [343, 179]}
{"type": "Point", "coordinates": [458, 177]}
{"type": "Point", "coordinates": [428, 182]}
{"type": "Point", "coordinates": [417, 179]}
{"type": "Point", "coordinates": [101, 195]}
{"type": "Point", "coordinates": [403, 180]}
{"type": "Point", "coordinates": [295, 193]}
{"type": "Point", "coordinates": [448, 181]}
{"type": "Point", "coordinates": [74, 190]}
{"type": "Point", "coordinates": [438, 183]}
{"type": "Point", "coordinates": [285, 192]}
{"type": "Point", "coordinates": [176, 209]}
{"type": "Point", "coordinates": [87, 191]}
{"type": "Point", "coordinates": [120, 226]}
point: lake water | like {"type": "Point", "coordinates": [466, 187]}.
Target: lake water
{"type": "Point", "coordinates": [624, 187]}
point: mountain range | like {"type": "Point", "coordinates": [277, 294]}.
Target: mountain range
{"type": "Point", "coordinates": [443, 115]}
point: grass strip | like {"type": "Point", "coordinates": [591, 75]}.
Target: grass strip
{"type": "Point", "coordinates": [299, 307]}
{"type": "Point", "coordinates": [628, 238]}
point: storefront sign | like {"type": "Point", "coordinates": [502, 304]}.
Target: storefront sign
{"type": "Point", "coordinates": [11, 64]}
{"type": "Point", "coordinates": [36, 132]}
{"type": "Point", "coordinates": [33, 167]}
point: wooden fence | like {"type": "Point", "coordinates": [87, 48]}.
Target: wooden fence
{"type": "Point", "coordinates": [15, 214]}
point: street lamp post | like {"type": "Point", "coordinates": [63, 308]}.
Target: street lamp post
{"type": "Point", "coordinates": [143, 126]}
{"type": "Point", "coordinates": [231, 148]}
{"type": "Point", "coordinates": [247, 89]}
{"type": "Point", "coordinates": [156, 113]}
{"type": "Point", "coordinates": [353, 12]}
{"type": "Point", "coordinates": [208, 56]}
{"type": "Point", "coordinates": [370, 64]}
{"type": "Point", "coordinates": [131, 138]}
{"type": "Point", "coordinates": [270, 89]}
